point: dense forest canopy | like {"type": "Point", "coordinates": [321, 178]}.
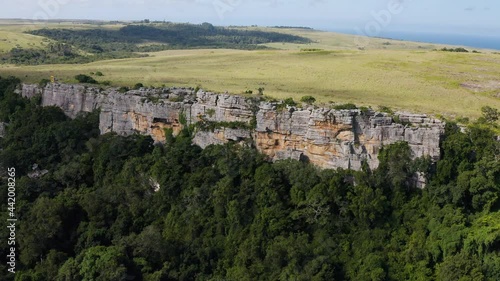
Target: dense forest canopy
{"type": "Point", "coordinates": [122, 208]}
{"type": "Point", "coordinates": [104, 43]}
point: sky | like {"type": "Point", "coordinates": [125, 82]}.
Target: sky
{"type": "Point", "coordinates": [365, 16]}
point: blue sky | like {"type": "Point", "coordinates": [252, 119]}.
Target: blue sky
{"type": "Point", "coordinates": [459, 16]}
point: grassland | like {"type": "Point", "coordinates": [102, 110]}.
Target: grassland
{"type": "Point", "coordinates": [339, 41]}
{"type": "Point", "coordinates": [12, 32]}
{"type": "Point", "coordinates": [402, 75]}
{"type": "Point", "coordinates": [12, 39]}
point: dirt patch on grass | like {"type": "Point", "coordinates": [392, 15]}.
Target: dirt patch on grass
{"type": "Point", "coordinates": [481, 86]}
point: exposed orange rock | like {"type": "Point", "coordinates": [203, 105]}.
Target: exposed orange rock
{"type": "Point", "coordinates": [140, 123]}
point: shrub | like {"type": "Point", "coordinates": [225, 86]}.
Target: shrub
{"type": "Point", "coordinates": [490, 115]}
{"type": "Point", "coordinates": [456, 50]}
{"type": "Point", "coordinates": [463, 120]}
{"type": "Point", "coordinates": [138, 86]}
{"type": "Point", "coordinates": [82, 78]}
{"type": "Point", "coordinates": [385, 109]}
{"type": "Point", "coordinates": [123, 89]}
{"type": "Point", "coordinates": [311, 50]}
{"type": "Point", "coordinates": [211, 125]}
{"type": "Point", "coordinates": [261, 91]}
{"type": "Point", "coordinates": [43, 82]}
{"type": "Point", "coordinates": [397, 119]}
{"type": "Point", "coordinates": [290, 102]}
{"type": "Point", "coordinates": [98, 73]}
{"type": "Point", "coordinates": [308, 99]}
{"type": "Point", "coordinates": [364, 109]}
{"type": "Point", "coordinates": [176, 99]}
{"type": "Point", "coordinates": [211, 112]}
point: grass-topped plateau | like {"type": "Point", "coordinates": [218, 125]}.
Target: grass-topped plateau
{"type": "Point", "coordinates": [409, 76]}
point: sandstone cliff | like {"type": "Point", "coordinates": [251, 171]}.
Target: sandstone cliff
{"type": "Point", "coordinates": [326, 137]}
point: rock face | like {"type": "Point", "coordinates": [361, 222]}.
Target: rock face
{"type": "Point", "coordinates": [325, 137]}
{"type": "Point", "coordinates": [73, 99]}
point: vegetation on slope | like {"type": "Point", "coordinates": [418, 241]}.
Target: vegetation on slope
{"type": "Point", "coordinates": [102, 43]}
{"type": "Point", "coordinates": [121, 208]}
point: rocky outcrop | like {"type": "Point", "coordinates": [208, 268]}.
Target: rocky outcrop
{"type": "Point", "coordinates": [73, 99]}
{"type": "Point", "coordinates": [325, 137]}
{"type": "Point", "coordinates": [332, 138]}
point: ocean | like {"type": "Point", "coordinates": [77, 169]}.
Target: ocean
{"type": "Point", "coordinates": [467, 40]}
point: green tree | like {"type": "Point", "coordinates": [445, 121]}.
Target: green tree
{"type": "Point", "coordinates": [290, 102]}
{"type": "Point", "coordinates": [103, 263]}
{"type": "Point", "coordinates": [40, 230]}
{"type": "Point", "coordinates": [460, 267]}
{"type": "Point", "coordinates": [82, 78]}
{"type": "Point", "coordinates": [490, 114]}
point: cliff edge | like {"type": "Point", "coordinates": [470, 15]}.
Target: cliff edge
{"type": "Point", "coordinates": [326, 137]}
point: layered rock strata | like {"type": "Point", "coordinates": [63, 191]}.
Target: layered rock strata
{"type": "Point", "coordinates": [327, 138]}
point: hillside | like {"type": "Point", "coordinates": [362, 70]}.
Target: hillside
{"type": "Point", "coordinates": [82, 45]}
{"type": "Point", "coordinates": [397, 74]}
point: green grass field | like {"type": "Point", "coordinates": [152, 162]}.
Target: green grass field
{"type": "Point", "coordinates": [12, 32]}
{"type": "Point", "coordinates": [402, 75]}
{"type": "Point", "coordinates": [11, 39]}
